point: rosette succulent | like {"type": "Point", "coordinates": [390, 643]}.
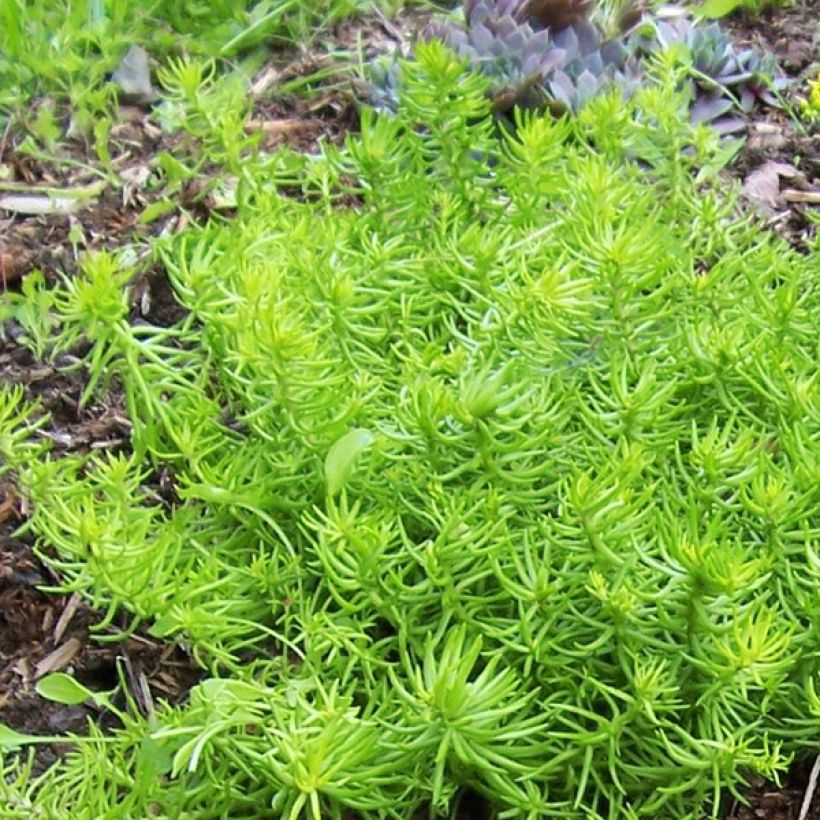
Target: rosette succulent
{"type": "Point", "coordinates": [497, 39]}
{"type": "Point", "coordinates": [725, 80]}
{"type": "Point", "coordinates": [381, 90]}
{"type": "Point", "coordinates": [554, 53]}
{"type": "Point", "coordinates": [545, 52]}
{"type": "Point", "coordinates": [590, 67]}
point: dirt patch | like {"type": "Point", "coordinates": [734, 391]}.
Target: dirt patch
{"type": "Point", "coordinates": [41, 633]}
{"type": "Point", "coordinates": [790, 33]}
{"type": "Point", "coordinates": [326, 110]}
{"type": "Point", "coordinates": [106, 199]}
{"type": "Point", "coordinates": [779, 137]}
{"type": "Point", "coordinates": [785, 803]}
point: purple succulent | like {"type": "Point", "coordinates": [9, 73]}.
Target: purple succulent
{"type": "Point", "coordinates": [510, 52]}
{"type": "Point", "coordinates": [724, 79]}
{"type": "Point", "coordinates": [561, 67]}
{"type": "Point", "coordinates": [550, 53]}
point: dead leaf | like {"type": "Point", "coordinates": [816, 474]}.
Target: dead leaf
{"type": "Point", "coordinates": [133, 77]}
{"type": "Point", "coordinates": [762, 186]}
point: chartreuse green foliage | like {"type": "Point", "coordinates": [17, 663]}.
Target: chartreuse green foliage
{"type": "Point", "coordinates": [497, 466]}
{"type": "Point", "coordinates": [810, 106]}
{"type": "Point", "coordinates": [713, 9]}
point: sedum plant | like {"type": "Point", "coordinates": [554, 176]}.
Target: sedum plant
{"type": "Point", "coordinates": [490, 477]}
{"type": "Point", "coordinates": [810, 106]}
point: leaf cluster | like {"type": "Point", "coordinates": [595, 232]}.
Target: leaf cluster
{"type": "Point", "coordinates": [724, 79]}
{"type": "Point", "coordinates": [716, 9]}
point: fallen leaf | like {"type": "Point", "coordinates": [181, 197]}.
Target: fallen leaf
{"type": "Point", "coordinates": [763, 184]}
{"type": "Point", "coordinates": [341, 458]}
{"type": "Point", "coordinates": [133, 77]}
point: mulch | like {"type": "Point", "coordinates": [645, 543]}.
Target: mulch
{"type": "Point", "coordinates": [777, 139]}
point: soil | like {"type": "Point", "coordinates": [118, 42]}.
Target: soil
{"type": "Point", "coordinates": [777, 140]}
{"type": "Point", "coordinates": [42, 632]}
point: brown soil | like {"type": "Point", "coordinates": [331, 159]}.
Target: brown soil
{"type": "Point", "coordinates": [42, 632]}
{"type": "Point", "coordinates": [778, 136]}
{"type": "Point", "coordinates": [769, 802]}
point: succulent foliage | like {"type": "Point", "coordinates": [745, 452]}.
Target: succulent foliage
{"type": "Point", "coordinates": [503, 480]}
{"type": "Point", "coordinates": [555, 53]}
{"type": "Point", "coordinates": [724, 80]}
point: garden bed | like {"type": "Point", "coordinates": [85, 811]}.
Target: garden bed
{"type": "Point", "coordinates": [43, 633]}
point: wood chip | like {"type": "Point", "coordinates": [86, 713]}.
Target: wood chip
{"type": "Point", "coordinates": [670, 12]}
{"type": "Point", "coordinates": [65, 617]}
{"type": "Point", "coordinates": [8, 270]}
{"type": "Point", "coordinates": [283, 126]}
{"type": "Point", "coordinates": [266, 78]}
{"type": "Point", "coordinates": [8, 507]}
{"type": "Point", "coordinates": [35, 205]}
{"type": "Point", "coordinates": [48, 619]}
{"type": "Point", "coordinates": [61, 657]}
{"type": "Point", "coordinates": [810, 197]}
{"type": "Point", "coordinates": [810, 790]}
{"type": "Point", "coordinates": [23, 669]}
{"type": "Point", "coordinates": [139, 686]}
{"type": "Point", "coordinates": [136, 176]}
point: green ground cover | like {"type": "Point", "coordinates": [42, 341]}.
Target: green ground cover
{"type": "Point", "coordinates": [496, 465]}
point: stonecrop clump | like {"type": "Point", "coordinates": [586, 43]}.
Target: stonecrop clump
{"type": "Point", "coordinates": [498, 478]}
{"type": "Point", "coordinates": [560, 54]}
